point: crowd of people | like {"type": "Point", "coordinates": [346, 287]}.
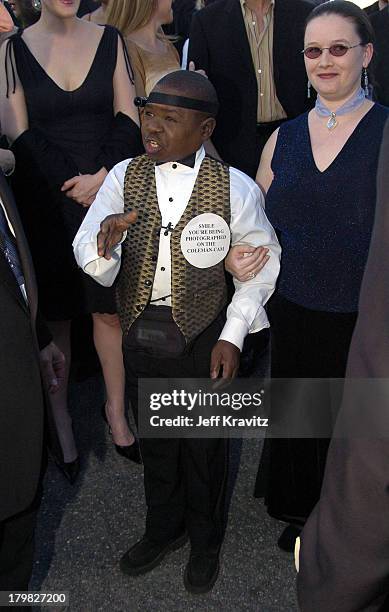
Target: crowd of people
{"type": "Point", "coordinates": [281, 107]}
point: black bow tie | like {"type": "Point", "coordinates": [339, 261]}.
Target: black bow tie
{"type": "Point", "coordinates": [187, 161]}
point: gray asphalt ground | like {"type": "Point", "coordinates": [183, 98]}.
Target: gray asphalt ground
{"type": "Point", "coordinates": [84, 529]}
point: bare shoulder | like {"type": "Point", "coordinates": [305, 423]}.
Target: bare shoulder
{"type": "Point", "coordinates": [31, 33]}
{"type": "Point", "coordinates": [91, 31]}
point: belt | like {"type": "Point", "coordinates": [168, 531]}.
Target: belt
{"type": "Point", "coordinates": [270, 125]}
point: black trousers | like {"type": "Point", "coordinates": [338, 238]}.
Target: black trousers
{"type": "Point", "coordinates": [17, 548]}
{"type": "Point", "coordinates": [185, 479]}
{"type": "Point", "coordinates": [304, 344]}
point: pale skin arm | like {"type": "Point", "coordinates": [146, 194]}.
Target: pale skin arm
{"type": "Point", "coordinates": [13, 110]}
{"type": "Point", "coordinates": [83, 189]}
{"type": "Point", "coordinates": [240, 265]}
{"type": "Point", "coordinates": [264, 177]}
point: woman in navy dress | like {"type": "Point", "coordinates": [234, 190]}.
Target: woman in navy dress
{"type": "Point", "coordinates": [67, 109]}
{"type": "Point", "coordinates": [319, 173]}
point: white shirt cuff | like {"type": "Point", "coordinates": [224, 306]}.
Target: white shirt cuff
{"type": "Point", "coordinates": [235, 330]}
{"type": "Point", "coordinates": [103, 271]}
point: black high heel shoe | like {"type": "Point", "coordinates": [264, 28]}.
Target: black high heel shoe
{"type": "Point", "coordinates": [130, 451]}
{"type": "Point", "coordinates": [70, 469]}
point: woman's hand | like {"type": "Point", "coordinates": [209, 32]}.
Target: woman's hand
{"type": "Point", "coordinates": [7, 161]}
{"type": "Point", "coordinates": [83, 188]}
{"type": "Point", "coordinates": [192, 68]}
{"type": "Point", "coordinates": [244, 261]}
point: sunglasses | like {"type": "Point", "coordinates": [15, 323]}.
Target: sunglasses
{"type": "Point", "coordinates": [335, 50]}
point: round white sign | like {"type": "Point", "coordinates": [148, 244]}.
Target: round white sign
{"type": "Point", "coordinates": [205, 240]}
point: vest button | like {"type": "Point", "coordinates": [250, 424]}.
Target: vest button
{"type": "Point", "coordinates": [139, 307]}
{"type": "Point", "coordinates": [148, 283]}
{"type": "Point", "coordinates": [154, 258]}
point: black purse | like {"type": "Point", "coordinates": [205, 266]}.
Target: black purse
{"type": "Point", "coordinates": [156, 333]}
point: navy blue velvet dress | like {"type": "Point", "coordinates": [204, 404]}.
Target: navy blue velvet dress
{"type": "Point", "coordinates": [324, 222]}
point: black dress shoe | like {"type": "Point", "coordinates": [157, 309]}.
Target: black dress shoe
{"type": "Point", "coordinates": [288, 537]}
{"type": "Point", "coordinates": [146, 554]}
{"type": "Point", "coordinates": [130, 451]}
{"type": "Point", "coordinates": [201, 572]}
{"type": "Point", "coordinates": [69, 469]}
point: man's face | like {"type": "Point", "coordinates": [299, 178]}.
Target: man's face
{"type": "Point", "coordinates": [172, 133]}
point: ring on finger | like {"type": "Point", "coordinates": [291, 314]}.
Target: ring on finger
{"type": "Point", "coordinates": [251, 275]}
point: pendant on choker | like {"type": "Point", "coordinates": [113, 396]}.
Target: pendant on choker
{"type": "Point", "coordinates": [351, 105]}
{"type": "Point", "coordinates": [332, 122]}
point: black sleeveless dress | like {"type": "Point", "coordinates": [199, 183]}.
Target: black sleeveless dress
{"type": "Point", "coordinates": [70, 133]}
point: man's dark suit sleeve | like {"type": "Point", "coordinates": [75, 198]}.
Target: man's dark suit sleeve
{"type": "Point", "coordinates": [344, 556]}
{"type": "Point", "coordinates": [198, 48]}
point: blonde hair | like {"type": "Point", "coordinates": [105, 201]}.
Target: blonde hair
{"type": "Point", "coordinates": [130, 15]}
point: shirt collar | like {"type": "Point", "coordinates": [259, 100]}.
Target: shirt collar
{"type": "Point", "coordinates": [192, 161]}
{"type": "Point", "coordinates": [243, 4]}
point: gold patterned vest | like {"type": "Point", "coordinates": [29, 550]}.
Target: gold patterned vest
{"type": "Point", "coordinates": [198, 295]}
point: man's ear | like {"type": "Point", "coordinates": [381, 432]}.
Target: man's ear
{"type": "Point", "coordinates": [207, 127]}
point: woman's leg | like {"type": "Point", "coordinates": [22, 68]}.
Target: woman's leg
{"type": "Point", "coordinates": [59, 401]}
{"type": "Point", "coordinates": [107, 336]}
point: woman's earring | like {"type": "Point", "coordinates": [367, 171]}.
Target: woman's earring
{"type": "Point", "coordinates": [309, 89]}
{"type": "Point", "coordinates": [365, 79]}
{"type": "Point", "coordinates": [37, 4]}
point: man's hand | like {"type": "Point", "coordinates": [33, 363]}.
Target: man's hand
{"type": "Point", "coordinates": [227, 356]}
{"type": "Point", "coordinates": [52, 362]}
{"type": "Point", "coordinates": [111, 232]}
{"type": "Point", "coordinates": [244, 262]}
{"type": "Point", "coordinates": [83, 188]}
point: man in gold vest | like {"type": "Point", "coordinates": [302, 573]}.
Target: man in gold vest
{"type": "Point", "coordinates": [171, 300]}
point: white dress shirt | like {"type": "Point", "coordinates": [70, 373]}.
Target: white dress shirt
{"type": "Point", "coordinates": [174, 184]}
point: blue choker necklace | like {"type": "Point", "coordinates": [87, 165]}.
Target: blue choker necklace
{"type": "Point", "coordinates": [351, 105]}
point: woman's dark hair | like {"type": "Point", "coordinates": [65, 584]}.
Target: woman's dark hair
{"type": "Point", "coordinates": [350, 11]}
{"type": "Point", "coordinates": [357, 16]}
{"type": "Point", "coordinates": [27, 13]}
